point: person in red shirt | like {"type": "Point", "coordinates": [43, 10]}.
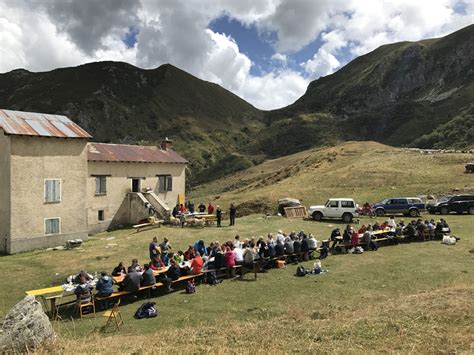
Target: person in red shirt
{"type": "Point", "coordinates": [354, 238]}
{"type": "Point", "coordinates": [189, 254]}
{"type": "Point", "coordinates": [362, 229]}
{"type": "Point", "coordinates": [384, 225]}
{"type": "Point", "coordinates": [196, 265]}
{"type": "Point", "coordinates": [210, 208]}
{"type": "Point", "coordinates": [182, 209]}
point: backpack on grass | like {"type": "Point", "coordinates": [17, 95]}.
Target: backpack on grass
{"type": "Point", "coordinates": [301, 271]}
{"type": "Point", "coordinates": [146, 310]}
{"type": "Point", "coordinates": [191, 287]}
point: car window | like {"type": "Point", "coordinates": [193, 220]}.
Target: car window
{"type": "Point", "coordinates": [347, 204]}
{"type": "Point", "coordinates": [445, 198]}
{"type": "Point", "coordinates": [401, 201]}
{"type": "Point", "coordinates": [456, 199]}
{"type": "Point", "coordinates": [414, 200]}
{"type": "Point", "coordinates": [333, 203]}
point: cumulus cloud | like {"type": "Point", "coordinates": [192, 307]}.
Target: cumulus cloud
{"type": "Point", "coordinates": [67, 32]}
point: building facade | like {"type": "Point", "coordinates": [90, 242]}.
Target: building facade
{"type": "Point", "coordinates": [56, 186]}
{"type": "Point", "coordinates": [123, 179]}
{"type": "Point", "coordinates": [43, 172]}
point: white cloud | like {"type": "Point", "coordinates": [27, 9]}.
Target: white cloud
{"type": "Point", "coordinates": [280, 58]}
{"type": "Point", "coordinates": [65, 33]}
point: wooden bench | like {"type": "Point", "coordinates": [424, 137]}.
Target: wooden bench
{"type": "Point", "coordinates": [138, 227]}
{"type": "Point", "coordinates": [149, 287]}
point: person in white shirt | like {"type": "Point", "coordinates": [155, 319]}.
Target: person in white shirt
{"type": "Point", "coordinates": [237, 243]}
{"type": "Point", "coordinates": [280, 238]}
{"type": "Point", "coordinates": [391, 223]}
{"type": "Point", "coordinates": [313, 243]}
{"type": "Point", "coordinates": [238, 255]}
{"type": "Point", "coordinates": [271, 241]}
{"type": "Point", "coordinates": [248, 255]}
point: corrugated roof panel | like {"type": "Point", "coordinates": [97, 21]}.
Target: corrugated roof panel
{"type": "Point", "coordinates": [40, 124]}
{"type": "Point", "coordinates": [64, 129]}
{"type": "Point", "coordinates": [132, 153]}
{"type": "Point", "coordinates": [38, 127]}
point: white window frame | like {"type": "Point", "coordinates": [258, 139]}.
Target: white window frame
{"type": "Point", "coordinates": [60, 190]}
{"type": "Point", "coordinates": [59, 226]}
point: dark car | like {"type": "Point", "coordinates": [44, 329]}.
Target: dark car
{"type": "Point", "coordinates": [411, 206]}
{"type": "Point", "coordinates": [470, 168]}
{"type": "Point", "coordinates": [453, 203]}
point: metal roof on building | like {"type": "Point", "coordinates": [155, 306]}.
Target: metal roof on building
{"type": "Point", "coordinates": [39, 124]}
{"type": "Point", "coordinates": [132, 153]}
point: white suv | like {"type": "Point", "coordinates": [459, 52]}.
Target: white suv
{"type": "Point", "coordinates": [342, 208]}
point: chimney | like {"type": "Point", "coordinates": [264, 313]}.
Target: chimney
{"type": "Point", "coordinates": [166, 144]}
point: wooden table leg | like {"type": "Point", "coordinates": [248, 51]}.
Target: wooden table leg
{"type": "Point", "coordinates": [53, 308]}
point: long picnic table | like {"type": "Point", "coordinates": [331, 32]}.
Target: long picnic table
{"type": "Point", "coordinates": [51, 294]}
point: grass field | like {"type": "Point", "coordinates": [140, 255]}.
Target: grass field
{"type": "Point", "coordinates": [412, 297]}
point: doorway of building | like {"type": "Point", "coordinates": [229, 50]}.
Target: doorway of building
{"type": "Point", "coordinates": [135, 185]}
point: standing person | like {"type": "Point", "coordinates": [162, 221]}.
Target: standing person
{"type": "Point", "coordinates": [165, 246]}
{"type": "Point", "coordinates": [190, 207]}
{"type": "Point", "coordinates": [182, 219]}
{"type": "Point", "coordinates": [154, 248]}
{"type": "Point", "coordinates": [202, 207]}
{"type": "Point", "coordinates": [232, 212]}
{"type": "Point", "coordinates": [175, 211]}
{"type": "Point", "coordinates": [219, 215]}
{"type": "Point", "coordinates": [210, 208]}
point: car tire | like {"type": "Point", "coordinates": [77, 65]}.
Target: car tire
{"type": "Point", "coordinates": [380, 212]}
{"type": "Point", "coordinates": [347, 217]}
{"type": "Point", "coordinates": [444, 210]}
{"type": "Point", "coordinates": [470, 210]}
{"type": "Point", "coordinates": [317, 216]}
{"type": "Point", "coordinates": [414, 212]}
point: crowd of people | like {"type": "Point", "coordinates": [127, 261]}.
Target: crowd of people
{"type": "Point", "coordinates": [250, 252]}
{"type": "Point", "coordinates": [180, 211]}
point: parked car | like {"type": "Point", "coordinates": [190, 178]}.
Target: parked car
{"type": "Point", "coordinates": [453, 203]}
{"type": "Point", "coordinates": [410, 206]}
{"type": "Point", "coordinates": [469, 168]}
{"type": "Point", "coordinates": [342, 208]}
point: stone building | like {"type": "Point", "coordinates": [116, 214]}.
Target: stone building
{"type": "Point", "coordinates": [43, 174]}
{"type": "Point", "coordinates": [56, 186]}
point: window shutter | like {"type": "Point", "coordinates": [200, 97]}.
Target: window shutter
{"type": "Point", "coordinates": [57, 190]}
{"type": "Point", "coordinates": [169, 183]}
{"type": "Point", "coordinates": [97, 185]}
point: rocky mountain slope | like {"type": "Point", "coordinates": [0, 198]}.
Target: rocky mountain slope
{"type": "Point", "coordinates": [407, 93]}
{"type": "Point", "coordinates": [117, 102]}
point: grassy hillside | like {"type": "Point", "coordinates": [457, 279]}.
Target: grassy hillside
{"type": "Point", "coordinates": [366, 171]}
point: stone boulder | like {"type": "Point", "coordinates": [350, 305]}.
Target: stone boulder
{"type": "Point", "coordinates": [25, 327]}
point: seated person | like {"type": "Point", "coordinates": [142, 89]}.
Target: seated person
{"type": "Point", "coordinates": [296, 246]}
{"type": "Point", "coordinates": [238, 255]}
{"type": "Point", "coordinates": [362, 229]}
{"type": "Point", "coordinates": [288, 246]}
{"type": "Point", "coordinates": [197, 264]}
{"type": "Point", "coordinates": [346, 236]}
{"type": "Point", "coordinates": [82, 274]}
{"type": "Point", "coordinates": [313, 243]}
{"type": "Point", "coordinates": [135, 265]}
{"type": "Point", "coordinates": [174, 271]}
{"type": "Point", "coordinates": [119, 270]}
{"type": "Point", "coordinates": [131, 282]}
{"type": "Point", "coordinates": [83, 291]}
{"type": "Point", "coordinates": [376, 226]}
{"type": "Point", "coordinates": [190, 253]}
{"type": "Point", "coordinates": [218, 259]}
{"type": "Point", "coordinates": [384, 225]}
{"type": "Point", "coordinates": [156, 263]}
{"type": "Point", "coordinates": [148, 277]}
{"type": "Point", "coordinates": [305, 247]}
{"type": "Point", "coordinates": [104, 285]}
{"type": "Point", "coordinates": [324, 251]}
{"type": "Point", "coordinates": [335, 234]}
{"type": "Point", "coordinates": [249, 256]}
{"type": "Point", "coordinates": [179, 257]}
{"type": "Point", "coordinates": [354, 238]}
{"type": "Point", "coordinates": [280, 249]}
